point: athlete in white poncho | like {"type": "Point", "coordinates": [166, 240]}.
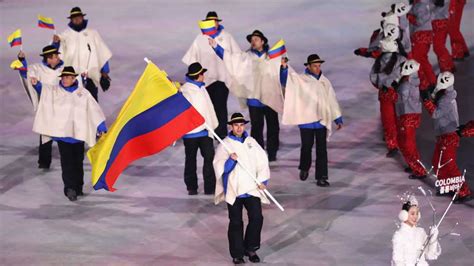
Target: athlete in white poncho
{"type": "Point", "coordinates": [217, 78]}
{"type": "Point", "coordinates": [238, 189]}
{"type": "Point", "coordinates": [47, 72]}
{"type": "Point", "coordinates": [69, 114]}
{"type": "Point", "coordinates": [310, 103]}
{"type": "Point", "coordinates": [84, 49]}
{"type": "Point", "coordinates": [255, 78]}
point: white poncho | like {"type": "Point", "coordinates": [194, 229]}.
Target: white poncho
{"type": "Point", "coordinates": [68, 114]}
{"type": "Point", "coordinates": [200, 51]}
{"type": "Point", "coordinates": [309, 100]}
{"type": "Point", "coordinates": [74, 52]}
{"type": "Point", "coordinates": [252, 156]}
{"type": "Point", "coordinates": [255, 77]}
{"type": "Point", "coordinates": [199, 99]}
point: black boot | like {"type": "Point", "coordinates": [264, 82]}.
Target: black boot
{"type": "Point", "coordinates": [238, 260]}
{"type": "Point", "coordinates": [253, 257]}
{"type": "Point", "coordinates": [304, 175]}
{"type": "Point", "coordinates": [71, 194]}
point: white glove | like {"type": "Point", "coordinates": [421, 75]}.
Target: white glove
{"type": "Point", "coordinates": [434, 232]}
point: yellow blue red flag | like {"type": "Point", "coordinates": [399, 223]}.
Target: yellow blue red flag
{"type": "Point", "coordinates": [153, 117]}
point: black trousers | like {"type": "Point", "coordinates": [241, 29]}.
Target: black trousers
{"type": "Point", "coordinates": [218, 92]}
{"type": "Point", "coordinates": [308, 138]}
{"type": "Point", "coordinates": [238, 243]}
{"type": "Point", "coordinates": [257, 117]}
{"type": "Point", "coordinates": [44, 153]}
{"type": "Point", "coordinates": [92, 88]}
{"type": "Point", "coordinates": [72, 159]}
{"type": "Point", "coordinates": [191, 146]}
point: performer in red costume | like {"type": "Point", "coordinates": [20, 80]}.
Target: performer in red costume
{"type": "Point", "coordinates": [440, 15]}
{"type": "Point", "coordinates": [459, 49]}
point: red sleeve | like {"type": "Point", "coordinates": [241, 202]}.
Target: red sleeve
{"type": "Point", "coordinates": [430, 106]}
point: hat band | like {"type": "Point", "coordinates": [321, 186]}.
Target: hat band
{"type": "Point", "coordinates": [76, 13]}
{"type": "Point", "coordinates": [49, 51]}
{"type": "Point", "coordinates": [212, 18]}
{"type": "Point", "coordinates": [68, 73]}
{"type": "Point", "coordinates": [237, 118]}
{"type": "Point", "coordinates": [196, 73]}
{"type": "Point", "coordinates": [315, 61]}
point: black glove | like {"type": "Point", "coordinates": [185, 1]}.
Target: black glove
{"type": "Point", "coordinates": [384, 88]}
{"type": "Point", "coordinates": [395, 85]}
{"type": "Point", "coordinates": [439, 95]}
{"type": "Point", "coordinates": [431, 88]}
{"type": "Point", "coordinates": [425, 95]}
{"type": "Point", "coordinates": [460, 129]}
{"type": "Point", "coordinates": [105, 82]}
{"type": "Point", "coordinates": [357, 52]}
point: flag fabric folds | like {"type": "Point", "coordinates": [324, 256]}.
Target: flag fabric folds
{"type": "Point", "coordinates": [15, 38]}
{"type": "Point", "coordinates": [153, 117]}
{"type": "Point", "coordinates": [17, 65]}
{"type": "Point", "coordinates": [45, 22]}
{"type": "Point", "coordinates": [208, 27]}
{"type": "Point", "coordinates": [277, 49]}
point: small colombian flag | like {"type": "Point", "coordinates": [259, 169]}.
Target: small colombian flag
{"type": "Point", "coordinates": [45, 22]}
{"type": "Point", "coordinates": [17, 65]}
{"type": "Point", "coordinates": [277, 49]}
{"type": "Point", "coordinates": [208, 27]}
{"type": "Point", "coordinates": [15, 38]}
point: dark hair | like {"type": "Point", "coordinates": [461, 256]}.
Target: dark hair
{"type": "Point", "coordinates": [406, 206]}
{"type": "Point", "coordinates": [439, 3]}
{"type": "Point", "coordinates": [388, 67]}
{"type": "Point", "coordinates": [194, 77]}
{"type": "Point", "coordinates": [411, 2]}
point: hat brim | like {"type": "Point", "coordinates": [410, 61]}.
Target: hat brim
{"type": "Point", "coordinates": [45, 54]}
{"type": "Point", "coordinates": [201, 72]}
{"type": "Point", "coordinates": [249, 38]}
{"type": "Point", "coordinates": [67, 74]}
{"type": "Point", "coordinates": [219, 20]}
{"type": "Point", "coordinates": [77, 15]}
{"type": "Point", "coordinates": [237, 121]}
{"type": "Point", "coordinates": [314, 62]}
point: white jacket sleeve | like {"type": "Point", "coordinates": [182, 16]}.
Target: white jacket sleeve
{"type": "Point", "coordinates": [398, 256]}
{"type": "Point", "coordinates": [433, 250]}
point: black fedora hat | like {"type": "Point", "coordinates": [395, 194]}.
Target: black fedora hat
{"type": "Point", "coordinates": [258, 34]}
{"type": "Point", "coordinates": [76, 12]}
{"type": "Point", "coordinates": [49, 49]}
{"type": "Point", "coordinates": [314, 58]}
{"type": "Point", "coordinates": [68, 71]}
{"type": "Point", "coordinates": [237, 118]}
{"type": "Point", "coordinates": [195, 69]}
{"type": "Point", "coordinates": [212, 15]}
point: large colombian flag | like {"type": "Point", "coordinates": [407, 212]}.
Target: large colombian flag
{"type": "Point", "coordinates": [153, 117]}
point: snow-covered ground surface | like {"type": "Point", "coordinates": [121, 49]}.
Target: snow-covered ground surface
{"type": "Point", "coordinates": [151, 220]}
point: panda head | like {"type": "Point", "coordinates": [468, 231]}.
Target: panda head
{"type": "Point", "coordinates": [410, 67]}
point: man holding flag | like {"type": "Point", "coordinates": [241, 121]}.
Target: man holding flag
{"type": "Point", "coordinates": [217, 77]}
{"type": "Point", "coordinates": [236, 187]}
{"type": "Point", "coordinates": [194, 91]}
{"type": "Point", "coordinates": [84, 49]}
{"type": "Point", "coordinates": [47, 73]}
{"type": "Point", "coordinates": [150, 120]}
{"type": "Point", "coordinates": [256, 76]}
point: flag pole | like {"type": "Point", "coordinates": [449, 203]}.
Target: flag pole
{"type": "Point", "coordinates": [245, 168]}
